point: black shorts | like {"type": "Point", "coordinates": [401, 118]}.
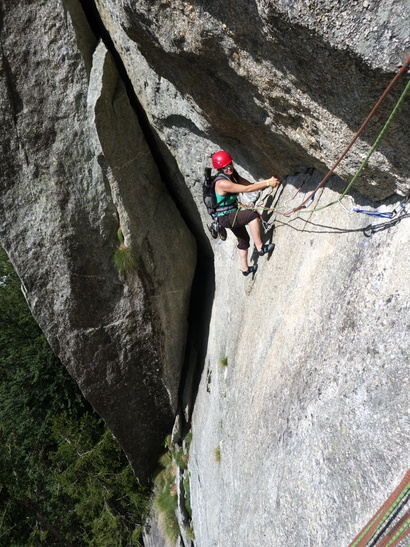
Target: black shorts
{"type": "Point", "coordinates": [236, 221]}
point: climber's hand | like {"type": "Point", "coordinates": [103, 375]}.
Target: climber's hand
{"type": "Point", "coordinates": [273, 182]}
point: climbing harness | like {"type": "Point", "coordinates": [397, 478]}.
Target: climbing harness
{"type": "Point", "coordinates": [378, 526]}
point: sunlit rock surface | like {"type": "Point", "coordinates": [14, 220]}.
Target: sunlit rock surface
{"type": "Point", "coordinates": [302, 436]}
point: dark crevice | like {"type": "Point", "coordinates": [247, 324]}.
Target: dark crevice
{"type": "Point", "coordinates": [204, 279]}
{"type": "Point", "coordinates": [97, 26]}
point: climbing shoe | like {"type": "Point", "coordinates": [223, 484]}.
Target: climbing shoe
{"type": "Point", "coordinates": [251, 269]}
{"type": "Point", "coordinates": [222, 233]}
{"type": "Point", "coordinates": [266, 249]}
{"type": "Point", "coordinates": [213, 229]}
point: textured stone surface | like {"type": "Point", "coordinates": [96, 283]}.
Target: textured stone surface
{"type": "Point", "coordinates": [75, 169]}
{"type": "Point", "coordinates": [280, 84]}
{"type": "Point", "coordinates": [151, 535]}
{"type": "Point", "coordinates": [311, 415]}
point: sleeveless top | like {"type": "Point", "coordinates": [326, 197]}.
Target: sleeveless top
{"type": "Point", "coordinates": [229, 201]}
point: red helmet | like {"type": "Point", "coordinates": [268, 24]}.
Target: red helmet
{"type": "Point", "coordinates": [220, 159]}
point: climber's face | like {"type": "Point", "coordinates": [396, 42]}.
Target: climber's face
{"type": "Point", "coordinates": [228, 169]}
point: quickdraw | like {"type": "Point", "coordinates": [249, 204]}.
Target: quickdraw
{"type": "Point", "coordinates": [400, 210]}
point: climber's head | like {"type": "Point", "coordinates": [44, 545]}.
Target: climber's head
{"type": "Point", "coordinates": [221, 159]}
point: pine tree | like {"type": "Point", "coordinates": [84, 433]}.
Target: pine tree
{"type": "Point", "coordinates": [49, 438]}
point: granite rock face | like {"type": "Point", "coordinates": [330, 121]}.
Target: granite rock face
{"type": "Point", "coordinates": [301, 437]}
{"type": "Point", "coordinates": [304, 433]}
{"type": "Point", "coordinates": [279, 84]}
{"type": "Point", "coordinates": [76, 167]}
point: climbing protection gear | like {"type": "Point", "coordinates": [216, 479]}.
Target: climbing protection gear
{"type": "Point", "coordinates": [398, 214]}
{"type": "Point", "coordinates": [221, 159]}
{"type": "Point", "coordinates": [251, 269]}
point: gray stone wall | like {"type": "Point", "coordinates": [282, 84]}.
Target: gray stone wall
{"type": "Point", "coordinates": [279, 83]}
{"type": "Point", "coordinates": [304, 434]}
{"type": "Point", "coordinates": [76, 167]}
{"type": "Point", "coordinates": [310, 417]}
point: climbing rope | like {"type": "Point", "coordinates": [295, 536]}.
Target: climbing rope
{"type": "Point", "coordinates": [402, 70]}
{"type": "Point", "coordinates": [388, 522]}
{"type": "Point", "coordinates": [307, 177]}
{"type": "Point", "coordinates": [365, 161]}
{"type": "Point", "coordinates": [302, 207]}
{"type": "Point", "coordinates": [396, 534]}
{"type": "Point", "coordinates": [381, 520]}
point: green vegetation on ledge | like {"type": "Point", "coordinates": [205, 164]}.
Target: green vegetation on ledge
{"type": "Point", "coordinates": [124, 260]}
{"type": "Point", "coordinates": [171, 480]}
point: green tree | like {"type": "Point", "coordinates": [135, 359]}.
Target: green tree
{"type": "Point", "coordinates": [40, 408]}
{"type": "Point", "coordinates": [94, 472]}
{"type": "Point", "coordinates": [34, 387]}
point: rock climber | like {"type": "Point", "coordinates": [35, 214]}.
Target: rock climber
{"type": "Point", "coordinates": [228, 184]}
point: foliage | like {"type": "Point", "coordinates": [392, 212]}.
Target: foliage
{"type": "Point", "coordinates": [166, 497]}
{"type": "Point", "coordinates": [166, 487]}
{"type": "Point", "coordinates": [33, 388]}
{"type": "Point", "coordinates": [49, 439]}
{"type": "Point", "coordinates": [223, 362]}
{"type": "Point", "coordinates": [124, 260]}
{"type": "Point", "coordinates": [188, 441]}
{"type": "Point", "coordinates": [187, 490]}
{"type": "Point", "coordinates": [190, 533]}
{"type": "Point", "coordinates": [95, 474]}
{"type": "Point", "coordinates": [181, 459]}
{"type": "Point", "coordinates": [166, 501]}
